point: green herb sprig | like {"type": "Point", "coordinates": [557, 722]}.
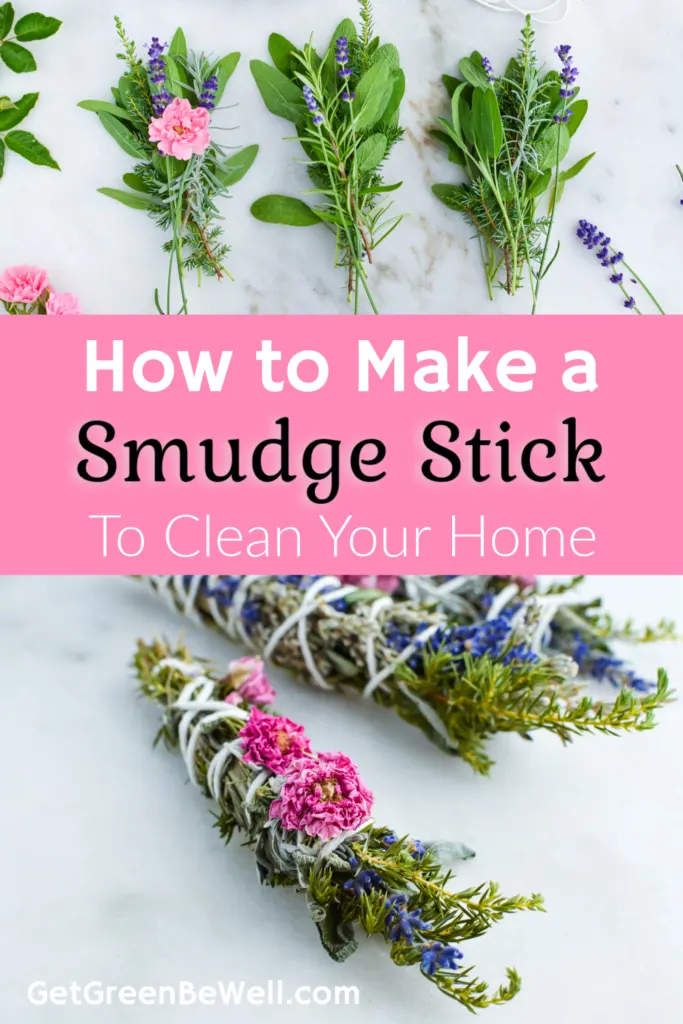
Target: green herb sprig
{"type": "Point", "coordinates": [15, 56]}
{"type": "Point", "coordinates": [511, 135]}
{"type": "Point", "coordinates": [179, 195]}
{"type": "Point", "coordinates": [345, 106]}
{"type": "Point", "coordinates": [392, 887]}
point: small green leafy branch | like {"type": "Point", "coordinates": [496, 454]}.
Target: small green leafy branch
{"type": "Point", "coordinates": [358, 882]}
{"type": "Point", "coordinates": [510, 135]}
{"type": "Point", "coordinates": [180, 196]}
{"type": "Point", "coordinates": [16, 57]}
{"type": "Point", "coordinates": [345, 106]}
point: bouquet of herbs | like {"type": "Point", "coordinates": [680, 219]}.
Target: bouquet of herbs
{"type": "Point", "coordinates": [26, 291]}
{"type": "Point", "coordinates": [344, 104]}
{"type": "Point", "coordinates": [306, 817]}
{"type": "Point", "coordinates": [162, 117]}
{"type": "Point", "coordinates": [461, 671]}
{"type": "Point", "coordinates": [15, 56]}
{"type": "Point", "coordinates": [510, 134]}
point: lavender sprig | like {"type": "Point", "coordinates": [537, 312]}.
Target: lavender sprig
{"type": "Point", "coordinates": [610, 258]}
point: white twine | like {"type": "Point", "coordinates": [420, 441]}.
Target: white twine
{"type": "Point", "coordinates": [558, 8]}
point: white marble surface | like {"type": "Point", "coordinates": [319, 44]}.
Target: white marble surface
{"type": "Point", "coordinates": [111, 870]}
{"type": "Point", "coordinates": [628, 52]}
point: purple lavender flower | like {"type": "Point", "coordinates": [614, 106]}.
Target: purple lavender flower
{"type": "Point", "coordinates": [569, 73]}
{"type": "Point", "coordinates": [435, 955]}
{"type": "Point", "coordinates": [593, 238]}
{"type": "Point", "coordinates": [209, 90]}
{"type": "Point", "coordinates": [630, 302]}
{"type": "Point", "coordinates": [341, 52]}
{"type": "Point", "coordinates": [312, 105]}
{"type": "Point", "coordinates": [348, 97]}
{"type": "Point", "coordinates": [156, 69]}
{"type": "Point", "coordinates": [488, 68]}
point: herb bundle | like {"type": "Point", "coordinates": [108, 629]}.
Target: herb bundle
{"type": "Point", "coordinates": [511, 134]}
{"type": "Point", "coordinates": [162, 117]}
{"type": "Point", "coordinates": [26, 291]}
{"type": "Point", "coordinates": [306, 817]}
{"type": "Point", "coordinates": [15, 56]}
{"type": "Point", "coordinates": [344, 105]}
{"type": "Point", "coordinates": [461, 673]}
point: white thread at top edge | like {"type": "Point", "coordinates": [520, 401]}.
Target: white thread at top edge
{"type": "Point", "coordinates": [561, 7]}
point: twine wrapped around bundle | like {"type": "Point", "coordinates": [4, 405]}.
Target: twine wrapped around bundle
{"type": "Point", "coordinates": [306, 817]}
{"type": "Point", "coordinates": [460, 676]}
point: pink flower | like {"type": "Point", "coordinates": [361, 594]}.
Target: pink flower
{"type": "Point", "coordinates": [181, 130]}
{"type": "Point", "coordinates": [62, 305]}
{"type": "Point", "coordinates": [323, 797]}
{"type": "Point", "coordinates": [249, 678]}
{"type": "Point", "coordinates": [23, 284]}
{"type": "Point", "coordinates": [386, 583]}
{"type": "Point", "coordinates": [273, 741]}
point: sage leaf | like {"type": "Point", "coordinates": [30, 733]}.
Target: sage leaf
{"type": "Point", "coordinates": [451, 84]}
{"type": "Point", "coordinates": [446, 193]}
{"type": "Point", "coordinates": [12, 117]}
{"type": "Point", "coordinates": [223, 72]}
{"type": "Point", "coordinates": [6, 19]}
{"type": "Point", "coordinates": [280, 95]}
{"type": "Point", "coordinates": [136, 182]}
{"type": "Point", "coordinates": [136, 202]}
{"type": "Point", "coordinates": [6, 103]}
{"type": "Point", "coordinates": [125, 138]}
{"type": "Point", "coordinates": [492, 123]}
{"type": "Point", "coordinates": [284, 210]}
{"type": "Point", "coordinates": [538, 187]}
{"type": "Point", "coordinates": [455, 154]}
{"type": "Point", "coordinates": [36, 26]}
{"type": "Point", "coordinates": [372, 95]}
{"type": "Point", "coordinates": [388, 54]}
{"type": "Point", "coordinates": [281, 52]}
{"type": "Point", "coordinates": [175, 78]}
{"type": "Point", "coordinates": [398, 89]}
{"type": "Point", "coordinates": [98, 106]}
{"type": "Point", "coordinates": [17, 58]}
{"type": "Point", "coordinates": [178, 47]}
{"type": "Point", "coordinates": [235, 168]}
{"type": "Point", "coordinates": [455, 113]}
{"type": "Point", "coordinates": [473, 73]}
{"type": "Point", "coordinates": [576, 169]}
{"type": "Point", "coordinates": [579, 111]}
{"type": "Point", "coordinates": [26, 145]}
{"type": "Point", "coordinates": [370, 153]}
{"type": "Point", "coordinates": [553, 146]}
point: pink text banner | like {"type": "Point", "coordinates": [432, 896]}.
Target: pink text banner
{"type": "Point", "coordinates": [341, 445]}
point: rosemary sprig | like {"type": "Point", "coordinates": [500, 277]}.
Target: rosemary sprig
{"type": "Point", "coordinates": [389, 886]}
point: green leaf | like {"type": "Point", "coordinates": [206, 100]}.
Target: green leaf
{"type": "Point", "coordinates": [539, 185]}
{"type": "Point", "coordinates": [455, 114]}
{"type": "Point", "coordinates": [6, 103]}
{"type": "Point", "coordinates": [223, 71]}
{"type": "Point", "coordinates": [36, 26]}
{"type": "Point", "coordinates": [492, 123]}
{"type": "Point", "coordinates": [576, 169]}
{"type": "Point", "coordinates": [135, 100]}
{"type": "Point", "coordinates": [123, 136]}
{"type": "Point", "coordinates": [474, 73]}
{"type": "Point", "coordinates": [549, 154]}
{"type": "Point", "coordinates": [284, 210]}
{"type": "Point", "coordinates": [281, 52]}
{"type": "Point", "coordinates": [455, 154]}
{"type": "Point", "coordinates": [2, 157]}
{"type": "Point", "coordinates": [136, 182]}
{"type": "Point", "coordinates": [389, 54]}
{"type": "Point", "coordinates": [12, 117]}
{"type": "Point", "coordinates": [372, 95]}
{"type": "Point", "coordinates": [371, 152]}
{"type": "Point", "coordinates": [398, 89]}
{"type": "Point", "coordinates": [451, 84]}
{"type": "Point", "coordinates": [178, 47]}
{"type": "Point", "coordinates": [17, 58]}
{"type": "Point", "coordinates": [102, 106]}
{"type": "Point", "coordinates": [281, 96]}
{"type": "Point", "coordinates": [579, 110]}
{"type": "Point", "coordinates": [26, 145]}
{"type": "Point", "coordinates": [235, 168]}
{"type": "Point", "coordinates": [6, 19]}
{"type": "Point", "coordinates": [136, 202]}
{"type": "Point", "coordinates": [175, 78]}
{"type": "Point", "coordinates": [344, 28]}
{"type": "Point", "coordinates": [445, 193]}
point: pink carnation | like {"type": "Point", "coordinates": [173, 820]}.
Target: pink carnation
{"type": "Point", "coordinates": [273, 741]}
{"type": "Point", "coordinates": [23, 284]}
{"type": "Point", "coordinates": [181, 130]}
{"type": "Point", "coordinates": [62, 305]}
{"type": "Point", "coordinates": [386, 583]}
{"type": "Point", "coordinates": [249, 678]}
{"type": "Point", "coordinates": [323, 797]}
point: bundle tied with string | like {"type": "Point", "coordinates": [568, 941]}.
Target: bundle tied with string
{"type": "Point", "coordinates": [459, 676]}
{"type": "Point", "coordinates": [307, 818]}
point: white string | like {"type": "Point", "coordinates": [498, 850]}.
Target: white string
{"type": "Point", "coordinates": [559, 8]}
